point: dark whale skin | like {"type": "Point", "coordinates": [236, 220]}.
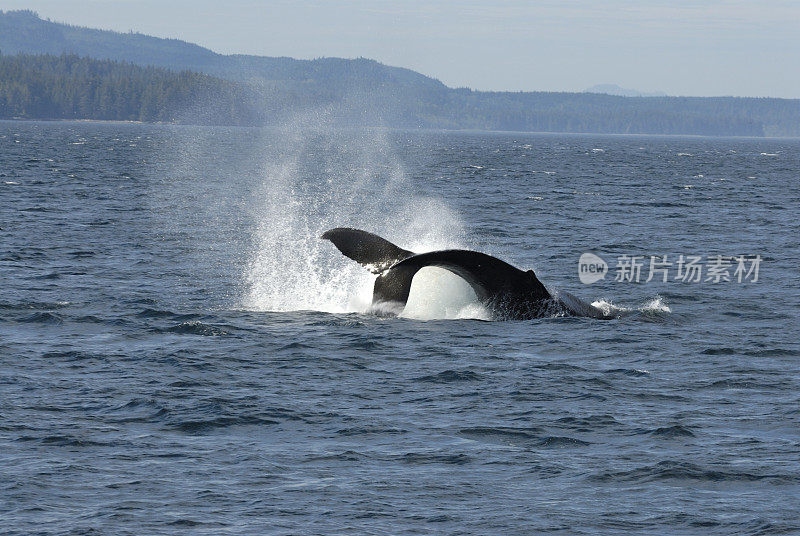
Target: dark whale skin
{"type": "Point", "coordinates": [508, 292]}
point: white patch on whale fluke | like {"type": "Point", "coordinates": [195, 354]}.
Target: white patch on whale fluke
{"type": "Point", "coordinates": [437, 293]}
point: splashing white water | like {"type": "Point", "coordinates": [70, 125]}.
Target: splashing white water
{"type": "Point", "coordinates": [323, 178]}
{"type": "Point", "coordinates": [656, 305]}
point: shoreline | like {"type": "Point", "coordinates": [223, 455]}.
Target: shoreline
{"type": "Point", "coordinates": [109, 121]}
{"type": "Point", "coordinates": [403, 129]}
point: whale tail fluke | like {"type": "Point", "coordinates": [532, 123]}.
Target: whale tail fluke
{"type": "Point", "coordinates": [370, 250]}
{"type": "Point", "coordinates": [507, 291]}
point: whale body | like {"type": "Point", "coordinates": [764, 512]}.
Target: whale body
{"type": "Point", "coordinates": [506, 291]}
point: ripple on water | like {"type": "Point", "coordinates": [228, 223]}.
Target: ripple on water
{"type": "Point", "coordinates": [194, 327]}
{"type": "Point", "coordinates": [451, 376]}
{"type": "Point", "coordinates": [668, 470]}
{"type": "Point", "coordinates": [203, 426]}
{"type": "Point", "coordinates": [520, 437]}
{"type": "Point", "coordinates": [138, 390]}
{"type": "Point", "coordinates": [676, 431]}
{"type": "Point", "coordinates": [46, 318]}
{"type": "Point", "coordinates": [590, 423]}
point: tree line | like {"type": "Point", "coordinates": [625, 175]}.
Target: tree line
{"type": "Point", "coordinates": [72, 87]}
{"type": "Point", "coordinates": [358, 93]}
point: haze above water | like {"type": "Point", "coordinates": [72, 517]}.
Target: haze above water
{"type": "Point", "coordinates": [180, 349]}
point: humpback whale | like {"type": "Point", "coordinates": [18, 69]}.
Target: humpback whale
{"type": "Point", "coordinates": [506, 291]}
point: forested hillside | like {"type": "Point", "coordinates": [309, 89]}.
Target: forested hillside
{"type": "Point", "coordinates": [47, 73]}
{"type": "Point", "coordinates": [71, 87]}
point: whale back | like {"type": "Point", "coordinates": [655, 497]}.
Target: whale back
{"type": "Point", "coordinates": [370, 250]}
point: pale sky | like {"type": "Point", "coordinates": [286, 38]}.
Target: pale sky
{"type": "Point", "coordinates": [681, 47]}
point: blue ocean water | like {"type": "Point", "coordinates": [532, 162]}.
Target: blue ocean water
{"type": "Point", "coordinates": [180, 352]}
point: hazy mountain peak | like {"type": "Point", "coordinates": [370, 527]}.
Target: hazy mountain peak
{"type": "Point", "coordinates": [24, 32]}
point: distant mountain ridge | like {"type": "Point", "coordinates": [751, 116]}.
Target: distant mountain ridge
{"type": "Point", "coordinates": [366, 92]}
{"type": "Point", "coordinates": [23, 32]}
{"type": "Point", "coordinates": [614, 89]}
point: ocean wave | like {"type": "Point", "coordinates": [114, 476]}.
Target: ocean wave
{"type": "Point", "coordinates": [420, 458]}
{"type": "Point", "coordinates": [450, 376]}
{"type": "Point", "coordinates": [369, 430]}
{"type": "Point", "coordinates": [589, 423]}
{"type": "Point", "coordinates": [201, 426]}
{"type": "Point", "coordinates": [678, 470]}
{"type": "Point", "coordinates": [627, 372]}
{"type": "Point", "coordinates": [772, 352]}
{"type": "Point", "coordinates": [562, 442]}
{"type": "Point", "coordinates": [671, 432]}
{"type": "Point", "coordinates": [505, 435]}
{"type": "Point", "coordinates": [69, 441]}
{"type": "Point", "coordinates": [195, 328]}
{"type": "Point", "coordinates": [747, 383]}
{"type": "Point", "coordinates": [719, 351]}
{"type": "Point", "coordinates": [51, 319]}
{"type": "Point", "coordinates": [527, 437]}
{"type": "Point", "coordinates": [161, 313]}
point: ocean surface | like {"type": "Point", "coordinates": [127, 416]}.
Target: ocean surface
{"type": "Point", "coordinates": [181, 354]}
